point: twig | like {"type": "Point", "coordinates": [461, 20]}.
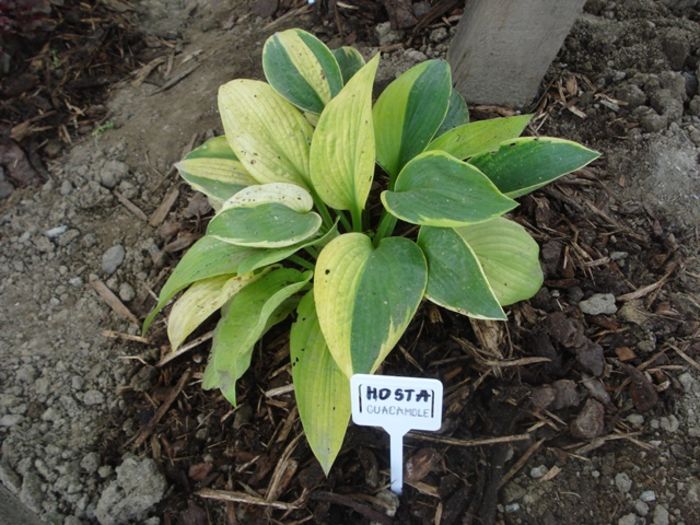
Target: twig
{"type": "Point", "coordinates": [138, 212]}
{"type": "Point", "coordinates": [360, 508]}
{"type": "Point", "coordinates": [446, 440]}
{"type": "Point", "coordinates": [242, 497]}
{"type": "Point", "coordinates": [645, 290]}
{"type": "Point", "coordinates": [162, 409]}
{"type": "Point", "coordinates": [113, 301]}
{"type": "Point", "coordinates": [128, 337]}
{"type": "Point", "coordinates": [176, 79]}
{"type": "Point", "coordinates": [162, 211]}
{"type": "Point", "coordinates": [518, 362]}
{"type": "Point", "coordinates": [520, 463]}
{"type": "Point", "coordinates": [186, 348]}
{"type": "Point", "coordinates": [692, 362]}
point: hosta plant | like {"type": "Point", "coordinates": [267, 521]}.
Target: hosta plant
{"type": "Point", "coordinates": [345, 214]}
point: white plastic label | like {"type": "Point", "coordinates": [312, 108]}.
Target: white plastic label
{"type": "Point", "coordinates": [397, 404]}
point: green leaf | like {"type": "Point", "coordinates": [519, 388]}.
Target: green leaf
{"type": "Point", "coordinates": [208, 257]}
{"type": "Point", "coordinates": [436, 189]}
{"type": "Point", "coordinates": [509, 257]}
{"type": "Point", "coordinates": [259, 257]}
{"type": "Point", "coordinates": [342, 149]}
{"type": "Point", "coordinates": [201, 300]}
{"type": "Point", "coordinates": [478, 137]}
{"type": "Point", "coordinates": [409, 112]}
{"type": "Point", "coordinates": [522, 165]}
{"type": "Point", "coordinates": [350, 61]}
{"type": "Point", "coordinates": [272, 215]}
{"type": "Point", "coordinates": [457, 113]}
{"type": "Point", "coordinates": [268, 225]}
{"type": "Point", "coordinates": [302, 69]}
{"type": "Point", "coordinates": [456, 280]}
{"type": "Point", "coordinates": [366, 297]}
{"type": "Point", "coordinates": [321, 389]}
{"type": "Point", "coordinates": [244, 320]}
{"type": "Point", "coordinates": [269, 136]}
{"type": "Point", "coordinates": [214, 170]}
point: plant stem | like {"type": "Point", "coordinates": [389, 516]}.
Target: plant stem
{"type": "Point", "coordinates": [301, 262]}
{"type": "Point", "coordinates": [344, 221]}
{"type": "Point", "coordinates": [322, 209]}
{"type": "Point", "coordinates": [312, 251]}
{"type": "Point", "coordinates": [387, 223]}
{"type": "Point", "coordinates": [356, 219]}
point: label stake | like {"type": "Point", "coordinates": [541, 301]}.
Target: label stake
{"type": "Point", "coordinates": [397, 404]}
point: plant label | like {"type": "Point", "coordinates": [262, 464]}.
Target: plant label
{"type": "Point", "coordinates": [397, 404]}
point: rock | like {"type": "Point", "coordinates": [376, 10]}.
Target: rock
{"type": "Point", "coordinates": [676, 47]}
{"type": "Point", "coordinates": [590, 422]}
{"type": "Point", "coordinates": [66, 188]}
{"type": "Point", "coordinates": [10, 420]}
{"type": "Point", "coordinates": [590, 357]}
{"type": "Point", "coordinates": [30, 494]}
{"type": "Point", "coordinates": [636, 420]}
{"type": "Point", "coordinates": [670, 424]}
{"type": "Point", "coordinates": [512, 492]}
{"type": "Point", "coordinates": [633, 95]}
{"type": "Point", "coordinates": [647, 496]}
{"type": "Point", "coordinates": [538, 472]}
{"type": "Point", "coordinates": [438, 35]}
{"type": "Point", "coordinates": [623, 482]}
{"type": "Point", "coordinates": [566, 331]}
{"type": "Point", "coordinates": [138, 487]}
{"type": "Point", "coordinates": [386, 35]}
{"type": "Point", "coordinates": [641, 508]}
{"type": "Point", "coordinates": [415, 56]}
{"type": "Point", "coordinates": [543, 396]}
{"type": "Point", "coordinates": [90, 462]}
{"type": "Point", "coordinates": [112, 259]}
{"type": "Point", "coordinates": [628, 519]}
{"type": "Point", "coordinates": [667, 104]}
{"type": "Point", "coordinates": [113, 171]}
{"type": "Point", "coordinates": [9, 478]}
{"type": "Point", "coordinates": [597, 390]}
{"type": "Point", "coordinates": [694, 106]}
{"type": "Point", "coordinates": [512, 507]}
{"type": "Point", "coordinates": [675, 82]}
{"type": "Point", "coordinates": [599, 303]}
{"type": "Point", "coordinates": [566, 394]}
{"type": "Point", "coordinates": [126, 292]}
{"type": "Point", "coordinates": [93, 397]}
{"type": "Point", "coordinates": [660, 516]}
{"type": "Point", "coordinates": [53, 233]}
{"type": "Point", "coordinates": [651, 121]}
{"type": "Point", "coordinates": [6, 189]}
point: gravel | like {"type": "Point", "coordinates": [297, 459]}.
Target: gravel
{"type": "Point", "coordinates": [623, 482]}
{"type": "Point", "coordinates": [660, 516]}
{"type": "Point", "coordinates": [113, 258]}
{"type": "Point", "coordinates": [597, 304]}
{"type": "Point", "coordinates": [648, 496]}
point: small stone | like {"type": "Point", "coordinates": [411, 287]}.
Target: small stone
{"type": "Point", "coordinates": [670, 424]}
{"type": "Point", "coordinates": [660, 516]}
{"type": "Point", "coordinates": [6, 189]}
{"type": "Point", "coordinates": [30, 494]}
{"type": "Point", "coordinates": [90, 462]}
{"type": "Point", "coordinates": [385, 34]}
{"type": "Point", "coordinates": [641, 508]}
{"type": "Point", "coordinates": [566, 394]}
{"type": "Point", "coordinates": [599, 303]}
{"type": "Point", "coordinates": [652, 122]}
{"type": "Point", "coordinates": [93, 397]}
{"type": "Point", "coordinates": [421, 8]}
{"type": "Point", "coordinates": [112, 259]}
{"type": "Point", "coordinates": [112, 172]}
{"type": "Point", "coordinates": [10, 420]}
{"type": "Point", "coordinates": [538, 472]}
{"type": "Point", "coordinates": [623, 482]}
{"type": "Point", "coordinates": [647, 496]}
{"type": "Point", "coordinates": [415, 56]}
{"type": "Point", "coordinates": [590, 357]}
{"type": "Point", "coordinates": [438, 35]}
{"type": "Point", "coordinates": [694, 106]}
{"type": "Point", "coordinates": [66, 188]}
{"type": "Point", "coordinates": [543, 396]}
{"type": "Point", "coordinates": [75, 282]}
{"type": "Point", "coordinates": [676, 47]}
{"type": "Point", "coordinates": [105, 471]}
{"type": "Point", "coordinates": [628, 519]}
{"type": "Point", "coordinates": [636, 420]}
{"type": "Point", "coordinates": [53, 233]}
{"type": "Point", "coordinates": [126, 292]}
{"type": "Point", "coordinates": [590, 422]}
{"type": "Point", "coordinates": [632, 95]}
{"type": "Point", "coordinates": [512, 507]}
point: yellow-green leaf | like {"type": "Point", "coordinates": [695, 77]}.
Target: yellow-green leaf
{"type": "Point", "coordinates": [509, 257]}
{"type": "Point", "coordinates": [409, 112]}
{"type": "Point", "coordinates": [321, 389]}
{"type": "Point", "coordinates": [342, 150]}
{"type": "Point", "coordinates": [201, 300]}
{"type": "Point", "coordinates": [269, 135]}
{"type": "Point", "coordinates": [243, 321]}
{"type": "Point", "coordinates": [481, 136]}
{"type": "Point", "coordinates": [302, 69]}
{"type": "Point", "coordinates": [366, 297]}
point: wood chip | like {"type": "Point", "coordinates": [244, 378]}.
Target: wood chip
{"type": "Point", "coordinates": [146, 431]}
{"type": "Point", "coordinates": [242, 497]}
{"type": "Point", "coordinates": [113, 301]}
{"type": "Point", "coordinates": [645, 290]}
{"type": "Point", "coordinates": [162, 211]}
{"type": "Point", "coordinates": [127, 337]}
{"type": "Point", "coordinates": [479, 442]}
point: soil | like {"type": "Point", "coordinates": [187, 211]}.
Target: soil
{"type": "Point", "coordinates": [606, 431]}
